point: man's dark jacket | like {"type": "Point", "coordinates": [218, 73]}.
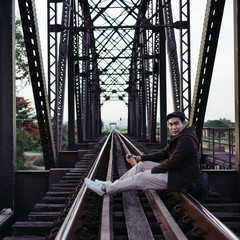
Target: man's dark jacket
{"type": "Point", "coordinates": [180, 158]}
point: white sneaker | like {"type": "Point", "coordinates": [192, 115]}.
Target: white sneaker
{"type": "Point", "coordinates": [103, 182]}
{"type": "Point", "coordinates": [95, 186]}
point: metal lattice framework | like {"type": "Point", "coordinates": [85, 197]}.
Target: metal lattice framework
{"type": "Point", "coordinates": [112, 51]}
{"type": "Point", "coordinates": [114, 59]}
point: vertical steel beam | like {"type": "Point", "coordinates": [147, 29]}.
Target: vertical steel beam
{"type": "Point", "coordinates": [163, 81]}
{"type": "Point", "coordinates": [77, 78]}
{"type": "Point", "coordinates": [71, 89]}
{"type": "Point", "coordinates": [172, 53]}
{"type": "Point", "coordinates": [61, 74]}
{"type": "Point", "coordinates": [185, 57]}
{"type": "Point", "coordinates": [155, 75]}
{"type": "Point", "coordinates": [57, 61]}
{"type": "Point", "coordinates": [132, 96]}
{"type": "Point", "coordinates": [86, 78]}
{"type": "Point", "coordinates": [96, 119]}
{"type": "Point", "coordinates": [237, 78]}
{"type": "Point", "coordinates": [7, 103]}
{"type": "Point", "coordinates": [52, 54]}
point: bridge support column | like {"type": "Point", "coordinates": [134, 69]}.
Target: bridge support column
{"type": "Point", "coordinates": [237, 77]}
{"type": "Point", "coordinates": [7, 103]}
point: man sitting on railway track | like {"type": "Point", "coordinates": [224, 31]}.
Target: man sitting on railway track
{"type": "Point", "coordinates": [168, 169]}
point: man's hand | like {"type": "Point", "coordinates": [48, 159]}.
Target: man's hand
{"type": "Point", "coordinates": [129, 155]}
{"type": "Point", "coordinates": [148, 170]}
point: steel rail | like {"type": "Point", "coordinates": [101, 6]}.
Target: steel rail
{"type": "Point", "coordinates": [66, 229]}
{"type": "Point", "coordinates": [106, 227]}
{"type": "Point", "coordinates": [131, 148]}
{"type": "Point", "coordinates": [205, 219]}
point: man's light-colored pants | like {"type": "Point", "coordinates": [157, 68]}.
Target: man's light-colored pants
{"type": "Point", "coordinates": [136, 179]}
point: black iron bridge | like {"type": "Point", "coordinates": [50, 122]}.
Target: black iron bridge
{"type": "Point", "coordinates": [95, 56]}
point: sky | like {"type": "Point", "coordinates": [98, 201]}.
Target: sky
{"type": "Point", "coordinates": [221, 95]}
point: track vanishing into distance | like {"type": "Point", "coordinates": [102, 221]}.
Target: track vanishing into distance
{"type": "Point", "coordinates": [71, 211]}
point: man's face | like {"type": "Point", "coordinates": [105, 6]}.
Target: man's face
{"type": "Point", "coordinates": [176, 125]}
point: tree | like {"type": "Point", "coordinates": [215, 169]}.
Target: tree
{"type": "Point", "coordinates": [227, 122]}
{"type": "Point", "coordinates": [28, 137]}
{"type": "Point", "coordinates": [222, 122]}
{"type": "Point", "coordinates": [214, 123]}
{"type": "Point", "coordinates": [26, 117]}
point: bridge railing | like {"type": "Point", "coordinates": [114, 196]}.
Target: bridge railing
{"type": "Point", "coordinates": [218, 145]}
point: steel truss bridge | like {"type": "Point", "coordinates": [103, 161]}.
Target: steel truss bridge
{"type": "Point", "coordinates": [101, 51]}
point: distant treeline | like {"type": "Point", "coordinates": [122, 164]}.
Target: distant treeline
{"type": "Point", "coordinates": [222, 122]}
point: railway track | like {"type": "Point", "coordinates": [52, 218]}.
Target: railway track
{"type": "Point", "coordinates": [71, 211]}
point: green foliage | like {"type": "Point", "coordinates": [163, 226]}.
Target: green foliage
{"type": "Point", "coordinates": [220, 135]}
{"type": "Point", "coordinates": [21, 67]}
{"type": "Point", "coordinates": [64, 137]}
{"type": "Point", "coordinates": [39, 161]}
{"type": "Point", "coordinates": [227, 122]}
{"type": "Point", "coordinates": [122, 130]}
{"type": "Point", "coordinates": [222, 122]}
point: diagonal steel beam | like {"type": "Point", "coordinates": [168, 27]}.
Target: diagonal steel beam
{"type": "Point", "coordinates": [210, 35]}
{"type": "Point", "coordinates": [31, 37]}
